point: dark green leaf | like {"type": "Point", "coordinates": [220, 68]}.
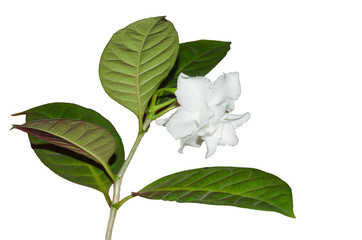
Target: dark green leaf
{"type": "Point", "coordinates": [196, 58]}
{"type": "Point", "coordinates": [136, 60]}
{"type": "Point", "coordinates": [232, 186]}
{"type": "Point", "coordinates": [67, 164]}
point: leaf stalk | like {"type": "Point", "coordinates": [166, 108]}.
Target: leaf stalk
{"type": "Point", "coordinates": [120, 203]}
{"type": "Point", "coordinates": [109, 171]}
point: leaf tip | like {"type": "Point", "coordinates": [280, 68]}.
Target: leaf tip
{"type": "Point", "coordinates": [15, 126]}
{"type": "Point", "coordinates": [17, 114]}
{"type": "Point", "coordinates": [158, 18]}
{"type": "Point", "coordinates": [289, 213]}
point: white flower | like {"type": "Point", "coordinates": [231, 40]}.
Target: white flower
{"type": "Point", "coordinates": [204, 109]}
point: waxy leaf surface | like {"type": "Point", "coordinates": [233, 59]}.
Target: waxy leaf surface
{"type": "Point", "coordinates": [196, 58]}
{"type": "Point", "coordinates": [136, 60]}
{"type": "Point", "coordinates": [232, 186]}
{"type": "Point", "coordinates": [68, 164]}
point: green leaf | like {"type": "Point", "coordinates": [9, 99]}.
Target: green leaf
{"type": "Point", "coordinates": [232, 186]}
{"type": "Point", "coordinates": [136, 60]}
{"type": "Point", "coordinates": [196, 58]}
{"type": "Point", "coordinates": [85, 138]}
{"type": "Point", "coordinates": [67, 164]}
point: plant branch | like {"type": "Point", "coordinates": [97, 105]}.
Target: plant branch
{"type": "Point", "coordinates": [118, 182]}
{"type": "Point", "coordinates": [120, 203]}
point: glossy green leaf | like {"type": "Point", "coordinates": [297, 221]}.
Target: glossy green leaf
{"type": "Point", "coordinates": [136, 60]}
{"type": "Point", "coordinates": [85, 138]}
{"type": "Point", "coordinates": [67, 164]}
{"type": "Point", "coordinates": [196, 58]}
{"type": "Point", "coordinates": [232, 186]}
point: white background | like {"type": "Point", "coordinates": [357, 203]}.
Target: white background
{"type": "Point", "coordinates": [300, 71]}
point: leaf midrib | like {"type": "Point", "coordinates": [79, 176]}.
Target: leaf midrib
{"type": "Point", "coordinates": [99, 181]}
{"type": "Point", "coordinates": [207, 191]}
{"type": "Point", "coordinates": [140, 116]}
{"type": "Point", "coordinates": [49, 117]}
{"type": "Point", "coordinates": [203, 190]}
{"type": "Point", "coordinates": [72, 143]}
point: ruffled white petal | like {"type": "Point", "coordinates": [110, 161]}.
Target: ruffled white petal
{"type": "Point", "coordinates": [204, 116]}
{"type": "Point", "coordinates": [228, 135]}
{"type": "Point", "coordinates": [226, 89]}
{"type": "Point", "coordinates": [192, 92]}
{"type": "Point", "coordinates": [217, 111]}
{"type": "Point", "coordinates": [230, 105]}
{"type": "Point", "coordinates": [208, 120]}
{"type": "Point", "coordinates": [162, 121]}
{"type": "Point", "coordinates": [181, 124]}
{"type": "Point", "coordinates": [212, 141]}
{"type": "Point", "coordinates": [192, 140]}
{"type": "Point", "coordinates": [236, 120]}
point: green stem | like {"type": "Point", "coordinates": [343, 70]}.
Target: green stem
{"type": "Point", "coordinates": [153, 107]}
{"type": "Point", "coordinates": [172, 106]}
{"type": "Point", "coordinates": [165, 104]}
{"type": "Point", "coordinates": [170, 90]}
{"type": "Point", "coordinates": [112, 217]}
{"type": "Point", "coordinates": [120, 203]}
{"type": "Point", "coordinates": [118, 182]}
{"type": "Point", "coordinates": [130, 155]}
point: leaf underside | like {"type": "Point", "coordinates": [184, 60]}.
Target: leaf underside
{"type": "Point", "coordinates": [85, 138]}
{"type": "Point", "coordinates": [68, 164]}
{"type": "Point", "coordinates": [231, 186]}
{"type": "Point", "coordinates": [136, 60]}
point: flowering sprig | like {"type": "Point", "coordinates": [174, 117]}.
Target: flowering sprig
{"type": "Point", "coordinates": [146, 70]}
